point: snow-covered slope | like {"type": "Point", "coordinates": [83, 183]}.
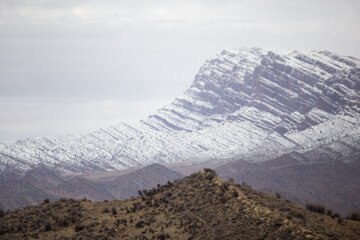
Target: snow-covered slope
{"type": "Point", "coordinates": [251, 103]}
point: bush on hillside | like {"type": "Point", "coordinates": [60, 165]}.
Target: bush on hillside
{"type": "Point", "coordinates": [210, 173]}
{"type": "Point", "coordinates": [113, 210]}
{"type": "Point", "coordinates": [329, 212]}
{"type": "Point", "coordinates": [318, 208]}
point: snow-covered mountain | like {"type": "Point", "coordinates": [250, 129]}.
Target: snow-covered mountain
{"type": "Point", "coordinates": [250, 103]}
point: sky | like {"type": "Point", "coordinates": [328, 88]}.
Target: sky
{"type": "Point", "coordinates": [71, 67]}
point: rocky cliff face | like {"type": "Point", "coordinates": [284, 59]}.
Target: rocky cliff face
{"type": "Point", "coordinates": [250, 103]}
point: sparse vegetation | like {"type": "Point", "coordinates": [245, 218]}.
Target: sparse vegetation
{"type": "Point", "coordinates": [210, 173]}
{"type": "Point", "coordinates": [79, 227]}
{"type": "Point", "coordinates": [113, 210]}
{"type": "Point", "coordinates": [47, 226]}
{"type": "Point", "coordinates": [329, 212]}
{"type": "Point", "coordinates": [192, 208]}
{"type": "Point", "coordinates": [318, 208]}
{"type": "Point", "coordinates": [278, 195]}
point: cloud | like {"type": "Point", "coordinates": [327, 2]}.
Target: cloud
{"type": "Point", "coordinates": [168, 11]}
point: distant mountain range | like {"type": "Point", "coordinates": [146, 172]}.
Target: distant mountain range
{"type": "Point", "coordinates": [41, 183]}
{"type": "Point", "coordinates": [252, 104]}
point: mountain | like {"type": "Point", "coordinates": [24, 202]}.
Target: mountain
{"type": "Point", "coordinates": [42, 177]}
{"type": "Point", "coordinates": [200, 206]}
{"type": "Point", "coordinates": [252, 103]}
{"type": "Point", "coordinates": [16, 193]}
{"type": "Point", "coordinates": [79, 187]}
{"type": "Point", "coordinates": [333, 183]}
{"type": "Point", "coordinates": [127, 185]}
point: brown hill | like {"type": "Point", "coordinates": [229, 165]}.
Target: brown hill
{"type": "Point", "coordinates": [17, 194]}
{"type": "Point", "coordinates": [42, 177]}
{"type": "Point", "coordinates": [41, 182]}
{"type": "Point", "coordinates": [200, 206]}
{"type": "Point", "coordinates": [127, 185]}
{"type": "Point", "coordinates": [79, 187]}
{"type": "Point", "coordinates": [334, 184]}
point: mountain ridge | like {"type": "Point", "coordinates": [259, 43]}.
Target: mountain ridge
{"type": "Point", "coordinates": [252, 103]}
{"type": "Point", "coordinates": [40, 183]}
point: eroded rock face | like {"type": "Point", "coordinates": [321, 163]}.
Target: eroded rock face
{"type": "Point", "coordinates": [252, 103]}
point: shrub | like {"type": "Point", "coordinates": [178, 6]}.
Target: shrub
{"type": "Point", "coordinates": [210, 173]}
{"type": "Point", "coordinates": [47, 227]}
{"type": "Point", "coordinates": [46, 200]}
{"type": "Point", "coordinates": [139, 224]}
{"type": "Point", "coordinates": [20, 228]}
{"type": "Point", "coordinates": [2, 213]}
{"type": "Point", "coordinates": [329, 212]}
{"type": "Point", "coordinates": [335, 215]}
{"type": "Point", "coordinates": [315, 208]}
{"type": "Point", "coordinates": [231, 180]}
{"type": "Point", "coordinates": [62, 222]}
{"type": "Point", "coordinates": [278, 195]}
{"type": "Point", "coordinates": [79, 227]}
{"type": "Point", "coordinates": [297, 214]}
{"type": "Point", "coordinates": [354, 215]}
{"type": "Point", "coordinates": [106, 210]}
{"type": "Point", "coordinates": [113, 210]}
{"type": "Point", "coordinates": [235, 193]}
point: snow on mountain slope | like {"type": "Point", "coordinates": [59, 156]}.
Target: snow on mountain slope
{"type": "Point", "coordinates": [252, 103]}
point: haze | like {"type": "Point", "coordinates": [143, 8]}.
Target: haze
{"type": "Point", "coordinates": [69, 67]}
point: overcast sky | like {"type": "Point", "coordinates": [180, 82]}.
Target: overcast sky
{"type": "Point", "coordinates": [74, 66]}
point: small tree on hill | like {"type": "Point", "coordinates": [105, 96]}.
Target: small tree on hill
{"type": "Point", "coordinates": [210, 173]}
{"type": "Point", "coordinates": [315, 208]}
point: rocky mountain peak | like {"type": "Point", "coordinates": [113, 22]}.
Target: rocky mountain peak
{"type": "Point", "coordinates": [250, 102]}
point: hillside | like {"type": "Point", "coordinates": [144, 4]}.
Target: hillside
{"type": "Point", "coordinates": [127, 185]}
{"type": "Point", "coordinates": [79, 187]}
{"type": "Point", "coordinates": [250, 102]}
{"type": "Point", "coordinates": [200, 206]}
{"type": "Point", "coordinates": [334, 184]}
{"type": "Point", "coordinates": [42, 177]}
{"type": "Point", "coordinates": [40, 183]}
{"type": "Point", "coordinates": [17, 194]}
